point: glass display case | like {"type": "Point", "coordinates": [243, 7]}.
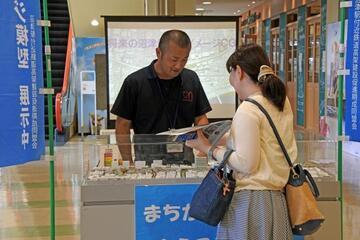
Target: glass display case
{"type": "Point", "coordinates": [108, 187]}
{"type": "Point", "coordinates": [109, 184]}
{"type": "Point", "coordinates": [152, 157]}
{"type": "Point", "coordinates": [318, 155]}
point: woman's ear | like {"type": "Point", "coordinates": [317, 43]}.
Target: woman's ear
{"type": "Point", "coordinates": [239, 72]}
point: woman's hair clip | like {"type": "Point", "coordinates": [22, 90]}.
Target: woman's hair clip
{"type": "Point", "coordinates": [264, 70]}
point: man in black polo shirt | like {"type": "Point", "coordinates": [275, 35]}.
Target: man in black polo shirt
{"type": "Point", "coordinates": [159, 97]}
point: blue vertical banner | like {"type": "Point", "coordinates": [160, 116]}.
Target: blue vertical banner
{"type": "Point", "coordinates": [282, 46]}
{"type": "Point", "coordinates": [322, 80]}
{"type": "Point", "coordinates": [162, 212]}
{"type": "Point", "coordinates": [267, 24]}
{"type": "Point", "coordinates": [300, 84]}
{"type": "Point", "coordinates": [22, 123]}
{"type": "Point", "coordinates": [352, 106]}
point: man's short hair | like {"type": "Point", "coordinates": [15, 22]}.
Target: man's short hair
{"type": "Point", "coordinates": [180, 38]}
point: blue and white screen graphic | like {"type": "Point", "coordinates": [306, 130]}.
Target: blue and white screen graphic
{"type": "Point", "coordinates": [131, 46]}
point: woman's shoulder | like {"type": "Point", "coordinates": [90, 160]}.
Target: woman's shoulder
{"type": "Point", "coordinates": [251, 107]}
{"type": "Point", "coordinates": [270, 107]}
{"type": "Point", "coordinates": [249, 110]}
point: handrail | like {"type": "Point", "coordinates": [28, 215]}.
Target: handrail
{"type": "Point", "coordinates": [58, 98]}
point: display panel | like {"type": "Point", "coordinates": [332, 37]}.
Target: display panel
{"type": "Point", "coordinates": [131, 46]}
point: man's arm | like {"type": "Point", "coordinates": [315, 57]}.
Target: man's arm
{"type": "Point", "coordinates": [201, 120]}
{"type": "Point", "coordinates": [122, 131]}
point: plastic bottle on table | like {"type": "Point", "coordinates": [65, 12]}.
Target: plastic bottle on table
{"type": "Point", "coordinates": [108, 155]}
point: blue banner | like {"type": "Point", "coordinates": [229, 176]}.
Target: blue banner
{"type": "Point", "coordinates": [352, 118]}
{"type": "Point", "coordinates": [22, 125]}
{"type": "Point", "coordinates": [267, 24]}
{"type": "Point", "coordinates": [162, 212]}
{"type": "Point", "coordinates": [282, 47]}
{"type": "Point", "coordinates": [322, 81]}
{"type": "Point", "coordinates": [300, 84]}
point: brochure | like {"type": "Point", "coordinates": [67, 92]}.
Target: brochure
{"type": "Point", "coordinates": [211, 131]}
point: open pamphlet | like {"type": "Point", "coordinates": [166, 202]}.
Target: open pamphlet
{"type": "Point", "coordinates": [212, 131]}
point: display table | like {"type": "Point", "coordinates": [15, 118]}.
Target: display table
{"type": "Point", "coordinates": [107, 208]}
{"type": "Point", "coordinates": [108, 199]}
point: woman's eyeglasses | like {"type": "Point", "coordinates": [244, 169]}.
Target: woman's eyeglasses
{"type": "Point", "coordinates": [231, 69]}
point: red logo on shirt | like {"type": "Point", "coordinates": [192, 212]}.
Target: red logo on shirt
{"type": "Point", "coordinates": [187, 96]}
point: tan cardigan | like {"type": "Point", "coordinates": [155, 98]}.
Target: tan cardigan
{"type": "Point", "coordinates": [258, 161]}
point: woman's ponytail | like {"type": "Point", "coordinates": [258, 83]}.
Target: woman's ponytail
{"type": "Point", "coordinates": [272, 88]}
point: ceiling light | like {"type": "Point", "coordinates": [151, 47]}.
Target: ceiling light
{"type": "Point", "coordinates": [207, 3]}
{"type": "Point", "coordinates": [200, 9]}
{"type": "Point", "coordinates": [95, 22]}
{"type": "Point", "coordinates": [238, 10]}
{"type": "Point", "coordinates": [248, 5]}
{"type": "Point", "coordinates": [253, 2]}
{"type": "Point", "coordinates": [234, 13]}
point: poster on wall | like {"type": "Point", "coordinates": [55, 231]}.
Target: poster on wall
{"type": "Point", "coordinates": [331, 76]}
{"type": "Point", "coordinates": [352, 105]}
{"type": "Point", "coordinates": [332, 63]}
{"type": "Point", "coordinates": [86, 48]}
{"type": "Point", "coordinates": [22, 136]}
{"type": "Point", "coordinates": [331, 79]}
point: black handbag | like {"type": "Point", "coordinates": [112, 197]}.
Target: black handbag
{"type": "Point", "coordinates": [300, 191]}
{"type": "Point", "coordinates": [212, 198]}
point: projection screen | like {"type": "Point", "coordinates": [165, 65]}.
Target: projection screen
{"type": "Point", "coordinates": [131, 44]}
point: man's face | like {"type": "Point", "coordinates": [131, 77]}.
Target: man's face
{"type": "Point", "coordinates": [172, 60]}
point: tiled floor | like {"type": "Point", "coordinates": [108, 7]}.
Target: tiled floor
{"type": "Point", "coordinates": [24, 196]}
{"type": "Point", "coordinates": [351, 191]}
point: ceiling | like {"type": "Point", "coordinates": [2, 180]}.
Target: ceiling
{"type": "Point", "coordinates": [82, 12]}
{"type": "Point", "coordinates": [225, 7]}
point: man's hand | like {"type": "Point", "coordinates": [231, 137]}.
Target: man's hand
{"type": "Point", "coordinates": [122, 130]}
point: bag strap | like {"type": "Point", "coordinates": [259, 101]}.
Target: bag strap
{"type": "Point", "coordinates": [315, 191]}
{"type": "Point", "coordinates": [226, 158]}
{"type": "Point", "coordinates": [223, 164]}
{"type": "Point", "coordinates": [313, 185]}
{"type": "Point", "coordinates": [274, 129]}
{"type": "Point", "coordinates": [221, 132]}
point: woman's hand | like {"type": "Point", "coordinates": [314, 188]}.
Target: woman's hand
{"type": "Point", "coordinates": [201, 143]}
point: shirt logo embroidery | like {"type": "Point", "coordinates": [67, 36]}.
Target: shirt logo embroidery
{"type": "Point", "coordinates": [187, 96]}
